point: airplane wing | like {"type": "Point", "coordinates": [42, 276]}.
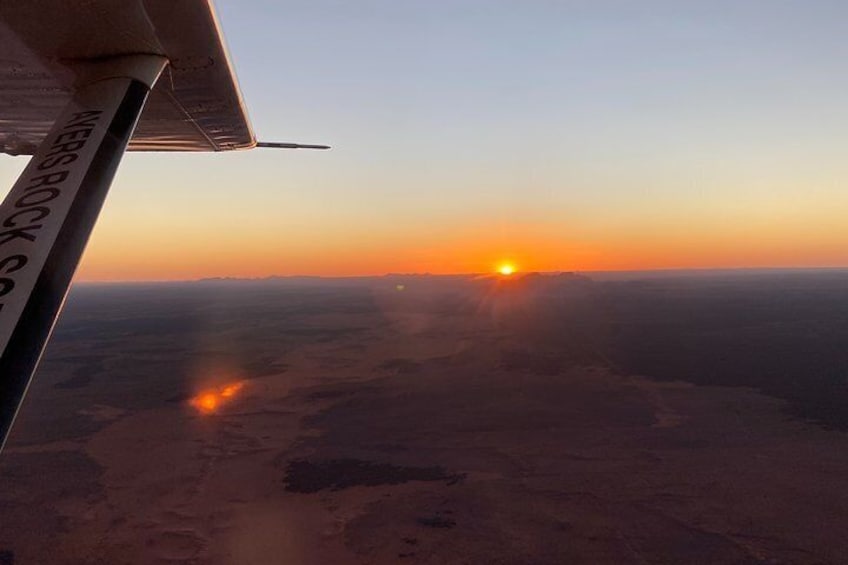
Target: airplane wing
{"type": "Point", "coordinates": [81, 83]}
{"type": "Point", "coordinates": [196, 106]}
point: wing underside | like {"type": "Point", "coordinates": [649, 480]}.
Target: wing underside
{"type": "Point", "coordinates": [195, 106]}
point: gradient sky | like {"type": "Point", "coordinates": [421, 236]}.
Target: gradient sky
{"type": "Point", "coordinates": [562, 135]}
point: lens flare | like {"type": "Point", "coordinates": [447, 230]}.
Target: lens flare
{"type": "Point", "coordinates": [211, 400]}
{"type": "Point", "coordinates": [208, 401]}
{"type": "Point", "coordinates": [231, 390]}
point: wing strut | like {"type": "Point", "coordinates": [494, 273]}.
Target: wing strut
{"type": "Point", "coordinates": [46, 219]}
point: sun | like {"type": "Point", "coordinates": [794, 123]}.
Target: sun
{"type": "Point", "coordinates": [506, 269]}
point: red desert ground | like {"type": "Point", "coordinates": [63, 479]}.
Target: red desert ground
{"type": "Point", "coordinates": [412, 419]}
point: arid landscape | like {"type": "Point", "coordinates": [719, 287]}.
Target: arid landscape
{"type": "Point", "coordinates": [540, 419]}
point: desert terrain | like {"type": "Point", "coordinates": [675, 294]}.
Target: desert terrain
{"type": "Point", "coordinates": [438, 420]}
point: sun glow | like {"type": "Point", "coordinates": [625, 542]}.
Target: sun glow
{"type": "Point", "coordinates": [506, 269]}
{"type": "Point", "coordinates": [210, 400]}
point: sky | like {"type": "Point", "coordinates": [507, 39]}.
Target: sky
{"type": "Point", "coordinates": [558, 135]}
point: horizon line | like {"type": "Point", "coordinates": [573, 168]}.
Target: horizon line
{"type": "Point", "coordinates": [621, 272]}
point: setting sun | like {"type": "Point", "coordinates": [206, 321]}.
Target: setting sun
{"type": "Point", "coordinates": [506, 269]}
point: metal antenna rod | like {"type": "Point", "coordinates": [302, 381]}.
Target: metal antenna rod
{"type": "Point", "coordinates": [278, 145]}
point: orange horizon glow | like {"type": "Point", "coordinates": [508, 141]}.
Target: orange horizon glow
{"type": "Point", "coordinates": [612, 264]}
{"type": "Point", "coordinates": [129, 252]}
{"type": "Point", "coordinates": [469, 252]}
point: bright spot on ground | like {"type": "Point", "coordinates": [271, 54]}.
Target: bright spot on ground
{"type": "Point", "coordinates": [210, 400]}
{"type": "Point", "coordinates": [506, 269]}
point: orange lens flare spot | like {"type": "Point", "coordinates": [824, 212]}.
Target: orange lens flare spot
{"type": "Point", "coordinates": [231, 390]}
{"type": "Point", "coordinates": [207, 401]}
{"type": "Point", "coordinates": [211, 400]}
